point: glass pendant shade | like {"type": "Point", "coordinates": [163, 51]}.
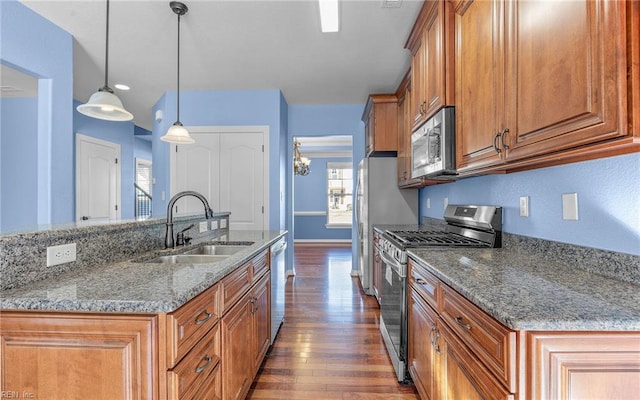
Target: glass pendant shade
{"type": "Point", "coordinates": [105, 105]}
{"type": "Point", "coordinates": [177, 134]}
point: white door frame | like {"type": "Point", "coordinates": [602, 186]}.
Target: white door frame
{"type": "Point", "coordinates": [116, 147]}
{"type": "Point", "coordinates": [263, 129]}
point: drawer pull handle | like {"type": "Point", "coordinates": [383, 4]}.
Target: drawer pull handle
{"type": "Point", "coordinates": [462, 324]}
{"type": "Point", "coordinates": [207, 361]}
{"type": "Point", "coordinates": [207, 316]}
{"type": "Point", "coordinates": [421, 281]}
{"type": "Point", "coordinates": [434, 335]}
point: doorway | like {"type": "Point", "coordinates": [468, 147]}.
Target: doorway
{"type": "Point", "coordinates": [97, 180]}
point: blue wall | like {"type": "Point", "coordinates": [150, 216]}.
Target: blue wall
{"type": "Point", "coordinates": [36, 46]}
{"type": "Point", "coordinates": [18, 163]}
{"type": "Point", "coordinates": [220, 108]}
{"type": "Point", "coordinates": [608, 201]}
{"type": "Point", "coordinates": [310, 194]}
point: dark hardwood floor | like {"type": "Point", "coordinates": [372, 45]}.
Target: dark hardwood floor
{"type": "Point", "coordinates": [330, 345]}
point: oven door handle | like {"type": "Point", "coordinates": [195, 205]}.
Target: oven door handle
{"type": "Point", "coordinates": [397, 267]}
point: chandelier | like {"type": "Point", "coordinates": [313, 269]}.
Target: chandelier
{"type": "Point", "coordinates": [300, 164]}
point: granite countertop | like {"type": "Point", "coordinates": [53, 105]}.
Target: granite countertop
{"type": "Point", "coordinates": [526, 291]}
{"type": "Point", "coordinates": [134, 286]}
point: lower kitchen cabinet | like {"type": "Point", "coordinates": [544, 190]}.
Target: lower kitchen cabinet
{"type": "Point", "coordinates": [583, 365]}
{"type": "Point", "coordinates": [422, 359]}
{"type": "Point", "coordinates": [458, 352]}
{"type": "Point", "coordinates": [78, 356]}
{"type": "Point", "coordinates": [245, 340]}
{"type": "Point", "coordinates": [462, 376]}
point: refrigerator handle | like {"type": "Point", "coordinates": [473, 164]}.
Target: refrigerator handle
{"type": "Point", "coordinates": [357, 205]}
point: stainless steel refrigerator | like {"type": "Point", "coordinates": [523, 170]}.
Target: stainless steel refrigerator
{"type": "Point", "coordinates": [379, 201]}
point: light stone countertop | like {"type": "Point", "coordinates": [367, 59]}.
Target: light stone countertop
{"type": "Point", "coordinates": [134, 286]}
{"type": "Point", "coordinates": [527, 292]}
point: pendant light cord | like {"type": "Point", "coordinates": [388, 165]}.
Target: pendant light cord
{"type": "Point", "coordinates": [178, 89]}
{"type": "Point", "coordinates": [106, 55]}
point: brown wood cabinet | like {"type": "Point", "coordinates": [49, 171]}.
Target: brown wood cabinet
{"type": "Point", "coordinates": [380, 119]}
{"type": "Point", "coordinates": [432, 61]}
{"type": "Point", "coordinates": [457, 351]}
{"type": "Point", "coordinates": [245, 339]}
{"type": "Point", "coordinates": [583, 365]}
{"type": "Point", "coordinates": [218, 338]}
{"type": "Point", "coordinates": [532, 92]}
{"type": "Point", "coordinates": [79, 356]}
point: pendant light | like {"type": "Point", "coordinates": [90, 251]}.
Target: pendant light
{"type": "Point", "coordinates": [104, 104]}
{"type": "Point", "coordinates": [176, 132]}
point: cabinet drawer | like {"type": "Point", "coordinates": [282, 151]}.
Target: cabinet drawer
{"type": "Point", "coordinates": [187, 378]}
{"type": "Point", "coordinates": [260, 264]}
{"type": "Point", "coordinates": [235, 286]}
{"type": "Point", "coordinates": [424, 283]}
{"type": "Point", "coordinates": [187, 325]}
{"type": "Point", "coordinates": [211, 388]}
{"type": "Point", "coordinates": [490, 341]}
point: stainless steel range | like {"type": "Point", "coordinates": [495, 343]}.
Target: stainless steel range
{"type": "Point", "coordinates": [467, 226]}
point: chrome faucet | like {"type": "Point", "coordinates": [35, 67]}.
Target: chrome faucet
{"type": "Point", "coordinates": [168, 236]}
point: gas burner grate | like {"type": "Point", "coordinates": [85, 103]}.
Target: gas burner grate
{"type": "Point", "coordinates": [434, 238]}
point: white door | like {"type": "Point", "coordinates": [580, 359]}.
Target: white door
{"type": "Point", "coordinates": [196, 168]}
{"type": "Point", "coordinates": [97, 179]}
{"type": "Point", "coordinates": [228, 165]}
{"type": "Point", "coordinates": [242, 179]}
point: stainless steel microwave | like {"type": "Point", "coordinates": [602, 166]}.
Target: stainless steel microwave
{"type": "Point", "coordinates": [433, 149]}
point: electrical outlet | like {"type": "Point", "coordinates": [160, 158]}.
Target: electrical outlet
{"type": "Point", "coordinates": [428, 202]}
{"type": "Point", "coordinates": [203, 226]}
{"type": "Point", "coordinates": [62, 254]}
{"type": "Point", "coordinates": [524, 206]}
{"type": "Point", "coordinates": [570, 206]}
{"type": "Point", "coordinates": [223, 223]}
{"type": "Point", "coordinates": [214, 225]}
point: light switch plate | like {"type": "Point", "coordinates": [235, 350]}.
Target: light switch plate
{"type": "Point", "coordinates": [61, 254]}
{"type": "Point", "coordinates": [570, 206]}
{"type": "Point", "coordinates": [428, 202]}
{"type": "Point", "coordinates": [214, 225]}
{"type": "Point", "coordinates": [524, 206]}
{"type": "Point", "coordinates": [223, 223]}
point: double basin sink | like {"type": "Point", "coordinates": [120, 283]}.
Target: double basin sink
{"type": "Point", "coordinates": [204, 254]}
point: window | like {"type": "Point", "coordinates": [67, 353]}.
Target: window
{"type": "Point", "coordinates": [340, 194]}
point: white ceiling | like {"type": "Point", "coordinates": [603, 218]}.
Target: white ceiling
{"type": "Point", "coordinates": [234, 45]}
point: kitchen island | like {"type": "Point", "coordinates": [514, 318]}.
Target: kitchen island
{"type": "Point", "coordinates": [142, 330]}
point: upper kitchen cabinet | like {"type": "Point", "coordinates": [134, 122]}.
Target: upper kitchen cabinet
{"type": "Point", "coordinates": [544, 83]}
{"type": "Point", "coordinates": [380, 119]}
{"type": "Point", "coordinates": [404, 135]}
{"type": "Point", "coordinates": [432, 60]}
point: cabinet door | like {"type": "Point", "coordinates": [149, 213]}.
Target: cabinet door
{"type": "Point", "coordinates": [237, 352]}
{"type": "Point", "coordinates": [590, 365]}
{"type": "Point", "coordinates": [78, 356]}
{"type": "Point", "coordinates": [435, 53]}
{"type": "Point", "coordinates": [462, 376]}
{"type": "Point", "coordinates": [566, 75]}
{"type": "Point", "coordinates": [261, 321]}
{"type": "Point", "coordinates": [418, 102]}
{"type": "Point", "coordinates": [479, 83]}
{"type": "Point", "coordinates": [422, 352]}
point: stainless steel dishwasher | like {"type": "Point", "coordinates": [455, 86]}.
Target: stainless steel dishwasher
{"type": "Point", "coordinates": [278, 280]}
